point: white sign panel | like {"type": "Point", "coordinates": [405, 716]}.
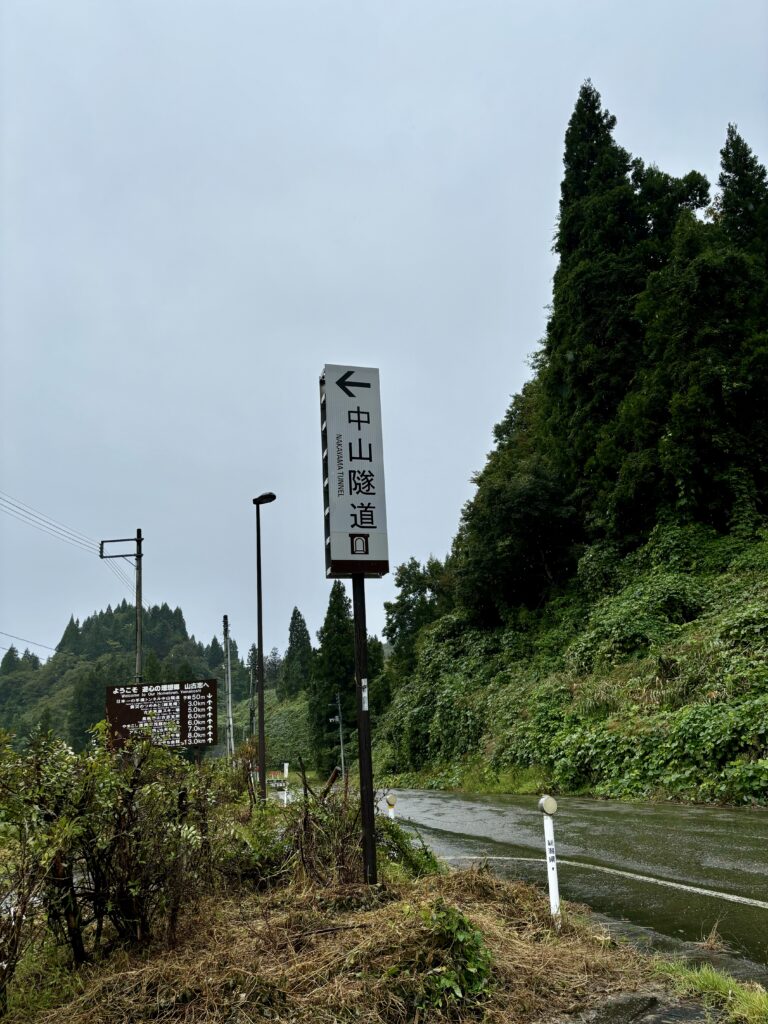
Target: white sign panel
{"type": "Point", "coordinates": [353, 472]}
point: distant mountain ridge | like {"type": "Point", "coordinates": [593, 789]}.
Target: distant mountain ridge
{"type": "Point", "coordinates": [66, 692]}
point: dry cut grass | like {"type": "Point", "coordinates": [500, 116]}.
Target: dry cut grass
{"type": "Point", "coordinates": [352, 953]}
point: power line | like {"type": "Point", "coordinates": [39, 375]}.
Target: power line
{"type": "Point", "coordinates": [44, 528]}
{"type": "Point", "coordinates": [25, 641]}
{"type": "Point", "coordinates": [120, 573]}
{"type": "Point", "coordinates": [46, 524]}
{"type": "Point", "coordinates": [23, 506]}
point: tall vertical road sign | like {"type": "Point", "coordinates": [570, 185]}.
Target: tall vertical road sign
{"type": "Point", "coordinates": [353, 473]}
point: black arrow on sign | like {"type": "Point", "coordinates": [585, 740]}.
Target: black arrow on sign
{"type": "Point", "coordinates": [345, 383]}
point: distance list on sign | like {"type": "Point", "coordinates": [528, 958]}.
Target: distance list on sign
{"type": "Point", "coordinates": [177, 714]}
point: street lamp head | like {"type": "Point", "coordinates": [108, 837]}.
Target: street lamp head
{"type": "Point", "coordinates": [264, 499]}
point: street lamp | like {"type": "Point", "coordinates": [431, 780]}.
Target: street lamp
{"type": "Point", "coordinates": [263, 499]}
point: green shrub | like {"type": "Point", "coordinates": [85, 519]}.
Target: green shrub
{"type": "Point", "coordinates": [458, 719]}
{"type": "Point", "coordinates": [409, 852]}
{"type": "Point", "coordinates": [451, 972]}
{"type": "Point", "coordinates": [597, 572]}
{"type": "Point", "coordinates": [701, 752]}
{"type": "Point", "coordinates": [643, 616]}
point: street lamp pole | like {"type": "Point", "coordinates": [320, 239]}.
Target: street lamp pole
{"type": "Point", "coordinates": [263, 499]}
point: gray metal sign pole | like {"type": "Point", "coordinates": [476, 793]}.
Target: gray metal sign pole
{"type": "Point", "coordinates": [364, 731]}
{"type": "Point", "coordinates": [263, 499]}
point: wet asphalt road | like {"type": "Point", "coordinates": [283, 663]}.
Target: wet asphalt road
{"type": "Point", "coordinates": [674, 848]}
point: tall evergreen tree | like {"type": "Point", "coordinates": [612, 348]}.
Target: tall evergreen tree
{"type": "Point", "coordinates": [516, 535]}
{"type": "Point", "coordinates": [89, 694]}
{"type": "Point", "coordinates": [10, 662]}
{"type": "Point", "coordinates": [297, 664]}
{"type": "Point", "coordinates": [743, 201]}
{"type": "Point", "coordinates": [690, 437]}
{"type": "Point", "coordinates": [593, 341]}
{"type": "Point", "coordinates": [616, 223]}
{"type": "Point", "coordinates": [214, 654]}
{"type": "Point", "coordinates": [70, 640]}
{"type": "Point", "coordinates": [273, 667]}
{"type": "Point", "coordinates": [152, 668]}
{"type": "Point", "coordinates": [577, 446]}
{"type": "Point", "coordinates": [29, 661]}
{"type": "Point", "coordinates": [422, 596]}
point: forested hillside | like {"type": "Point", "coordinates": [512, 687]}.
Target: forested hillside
{"type": "Point", "coordinates": [601, 621]}
{"type": "Point", "coordinates": [66, 693]}
{"type": "Point", "coordinates": [306, 690]}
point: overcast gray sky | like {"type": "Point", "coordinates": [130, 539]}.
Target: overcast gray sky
{"type": "Point", "coordinates": [204, 201]}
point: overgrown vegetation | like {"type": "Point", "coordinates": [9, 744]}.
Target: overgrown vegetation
{"type": "Point", "coordinates": [658, 689]}
{"type": "Point", "coordinates": [600, 621]}
{"type": "Point", "coordinates": [138, 886]}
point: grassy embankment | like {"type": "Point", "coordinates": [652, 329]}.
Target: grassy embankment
{"type": "Point", "coordinates": [314, 947]}
{"type": "Point", "coordinates": [139, 887]}
{"type": "Point", "coordinates": [646, 678]}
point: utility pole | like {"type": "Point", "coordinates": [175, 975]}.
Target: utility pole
{"type": "Point", "coordinates": [251, 705]}
{"type": "Point", "coordinates": [339, 718]}
{"type": "Point", "coordinates": [137, 555]}
{"type": "Point", "coordinates": [230, 722]}
{"type": "Point", "coordinates": [139, 616]}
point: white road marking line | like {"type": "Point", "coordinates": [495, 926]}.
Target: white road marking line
{"type": "Point", "coordinates": [630, 874]}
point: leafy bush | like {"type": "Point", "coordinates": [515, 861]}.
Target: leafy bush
{"type": "Point", "coordinates": [452, 969]}
{"type": "Point", "coordinates": [746, 628]}
{"type": "Point", "coordinates": [109, 842]}
{"type": "Point", "coordinates": [458, 719]}
{"type": "Point", "coordinates": [597, 572]}
{"type": "Point", "coordinates": [643, 615]}
{"type": "Point", "coordinates": [410, 853]}
{"type": "Point", "coordinates": [701, 752]}
{"type": "Point", "coordinates": [535, 725]}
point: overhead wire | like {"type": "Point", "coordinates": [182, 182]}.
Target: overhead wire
{"type": "Point", "coordinates": [22, 506]}
{"type": "Point", "coordinates": [33, 517]}
{"type": "Point", "coordinates": [24, 640]}
{"type": "Point", "coordinates": [45, 528]}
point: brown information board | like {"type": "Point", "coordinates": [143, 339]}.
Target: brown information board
{"type": "Point", "coordinates": [179, 714]}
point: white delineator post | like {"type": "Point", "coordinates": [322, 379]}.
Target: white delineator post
{"type": "Point", "coordinates": [285, 784]}
{"type": "Point", "coordinates": [391, 801]}
{"type": "Point", "coordinates": [548, 806]}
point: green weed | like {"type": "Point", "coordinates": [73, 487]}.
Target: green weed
{"type": "Point", "coordinates": [744, 1002]}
